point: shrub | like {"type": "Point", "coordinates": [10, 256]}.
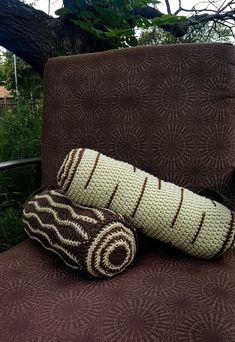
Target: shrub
{"type": "Point", "coordinates": [20, 128]}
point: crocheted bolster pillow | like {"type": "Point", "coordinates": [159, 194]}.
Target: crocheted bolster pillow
{"type": "Point", "coordinates": [98, 242]}
{"type": "Point", "coordinates": [195, 224]}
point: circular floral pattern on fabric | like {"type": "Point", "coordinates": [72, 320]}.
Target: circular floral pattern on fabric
{"type": "Point", "coordinates": [94, 66]}
{"type": "Point", "coordinates": [217, 97]}
{"type": "Point", "coordinates": [174, 97]}
{"type": "Point", "coordinates": [173, 146]}
{"type": "Point", "coordinates": [225, 265]}
{"type": "Point", "coordinates": [52, 268]}
{"type": "Point", "coordinates": [182, 304]}
{"type": "Point", "coordinates": [21, 261]}
{"type": "Point", "coordinates": [169, 258]}
{"type": "Point", "coordinates": [20, 295]}
{"type": "Point", "coordinates": [205, 327]}
{"type": "Point", "coordinates": [18, 328]}
{"type": "Point", "coordinates": [197, 119]}
{"type": "Point", "coordinates": [61, 98]}
{"type": "Point", "coordinates": [60, 73]}
{"type": "Point", "coordinates": [178, 59]}
{"type": "Point", "coordinates": [116, 294]}
{"type": "Point", "coordinates": [130, 98]}
{"type": "Point", "coordinates": [128, 144]}
{"type": "Point", "coordinates": [157, 282]}
{"type": "Point", "coordinates": [14, 258]}
{"type": "Point", "coordinates": [69, 311]}
{"type": "Point", "coordinates": [219, 182]}
{"type": "Point", "coordinates": [197, 268]}
{"type": "Point", "coordinates": [221, 57]}
{"type": "Point", "coordinates": [194, 175]}
{"type": "Point", "coordinates": [134, 320]}
{"type": "Point", "coordinates": [169, 175]}
{"type": "Point", "coordinates": [57, 143]}
{"type": "Point", "coordinates": [216, 146]}
{"type": "Point", "coordinates": [89, 137]}
{"type": "Point", "coordinates": [149, 121]}
{"type": "Point", "coordinates": [215, 294]}
{"type": "Point", "coordinates": [134, 61]}
{"type": "Point", "coordinates": [90, 101]}
{"type": "Point", "coordinates": [77, 336]}
{"type": "Point", "coordinates": [200, 72]}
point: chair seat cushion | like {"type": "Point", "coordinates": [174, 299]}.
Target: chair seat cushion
{"type": "Point", "coordinates": [164, 296]}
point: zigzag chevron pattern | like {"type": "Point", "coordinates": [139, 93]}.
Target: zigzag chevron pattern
{"type": "Point", "coordinates": [195, 224]}
{"type": "Point", "coordinates": [98, 242]}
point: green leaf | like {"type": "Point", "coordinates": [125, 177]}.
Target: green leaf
{"type": "Point", "coordinates": [86, 14]}
{"type": "Point", "coordinates": [116, 32]}
{"type": "Point", "coordinates": [63, 11]}
{"type": "Point", "coordinates": [132, 41]}
{"type": "Point", "coordinates": [143, 22]}
{"type": "Point", "coordinates": [88, 27]}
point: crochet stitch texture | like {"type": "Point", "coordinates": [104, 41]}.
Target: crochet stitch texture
{"type": "Point", "coordinates": [164, 211]}
{"type": "Point", "coordinates": [99, 243]}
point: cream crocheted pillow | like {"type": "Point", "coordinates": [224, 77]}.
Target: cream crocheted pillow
{"type": "Point", "coordinates": [98, 242]}
{"type": "Point", "coordinates": [195, 224]}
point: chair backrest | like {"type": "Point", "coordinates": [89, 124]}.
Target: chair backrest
{"type": "Point", "coordinates": [169, 110]}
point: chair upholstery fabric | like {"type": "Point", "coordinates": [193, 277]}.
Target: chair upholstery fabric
{"type": "Point", "coordinates": [168, 110]}
{"type": "Point", "coordinates": [164, 296]}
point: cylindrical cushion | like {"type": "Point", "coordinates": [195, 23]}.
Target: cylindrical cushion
{"type": "Point", "coordinates": [172, 214]}
{"type": "Point", "coordinates": [100, 242]}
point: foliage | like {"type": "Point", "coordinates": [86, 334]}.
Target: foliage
{"type": "Point", "coordinates": [113, 20]}
{"type": "Point", "coordinates": [2, 74]}
{"type": "Point", "coordinates": [11, 227]}
{"type": "Point", "coordinates": [19, 138]}
{"type": "Point", "coordinates": [29, 83]}
{"type": "Point", "coordinates": [201, 33]}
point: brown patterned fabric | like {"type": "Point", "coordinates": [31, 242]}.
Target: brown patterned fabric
{"type": "Point", "coordinates": [96, 242]}
{"type": "Point", "coordinates": [169, 110]}
{"type": "Point", "coordinates": [163, 297]}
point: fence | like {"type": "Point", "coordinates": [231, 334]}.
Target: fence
{"type": "Point", "coordinates": [7, 102]}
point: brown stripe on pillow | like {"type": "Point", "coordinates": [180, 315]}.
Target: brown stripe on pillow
{"type": "Point", "coordinates": [112, 196]}
{"type": "Point", "coordinates": [76, 157]}
{"type": "Point", "coordinates": [179, 207]}
{"type": "Point", "coordinates": [92, 171]}
{"type": "Point", "coordinates": [140, 197]}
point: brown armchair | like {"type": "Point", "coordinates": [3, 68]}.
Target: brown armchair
{"type": "Point", "coordinates": [169, 110]}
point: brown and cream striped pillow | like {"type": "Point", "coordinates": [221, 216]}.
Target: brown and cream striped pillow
{"type": "Point", "coordinates": [98, 242]}
{"type": "Point", "coordinates": [197, 225]}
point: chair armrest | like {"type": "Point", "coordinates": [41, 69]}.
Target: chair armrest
{"type": "Point", "coordinates": [17, 163]}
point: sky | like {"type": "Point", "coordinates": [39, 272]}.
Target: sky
{"type": "Point", "coordinates": [187, 4]}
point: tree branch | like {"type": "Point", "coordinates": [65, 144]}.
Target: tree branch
{"type": "Point", "coordinates": [23, 28]}
{"type": "Point", "coordinates": [35, 36]}
{"type": "Point", "coordinates": [168, 6]}
{"type": "Point", "coordinates": [179, 29]}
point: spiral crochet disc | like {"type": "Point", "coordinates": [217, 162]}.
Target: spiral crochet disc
{"type": "Point", "coordinates": [98, 242]}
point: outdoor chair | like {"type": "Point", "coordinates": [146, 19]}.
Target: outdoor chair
{"type": "Point", "coordinates": [169, 110]}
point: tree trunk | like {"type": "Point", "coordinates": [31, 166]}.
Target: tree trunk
{"type": "Point", "coordinates": [34, 36]}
